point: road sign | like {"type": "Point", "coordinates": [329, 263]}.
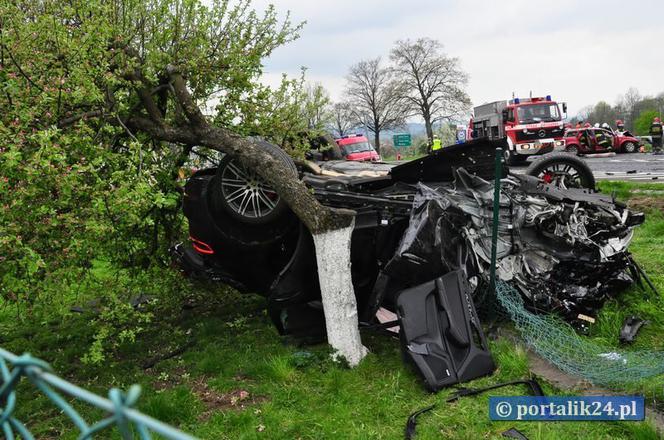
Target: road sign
{"type": "Point", "coordinates": [402, 140]}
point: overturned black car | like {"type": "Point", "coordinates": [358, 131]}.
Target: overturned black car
{"type": "Point", "coordinates": [421, 245]}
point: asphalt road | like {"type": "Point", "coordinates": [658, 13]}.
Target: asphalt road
{"type": "Point", "coordinates": [642, 167]}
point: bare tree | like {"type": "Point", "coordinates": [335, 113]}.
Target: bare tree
{"type": "Point", "coordinates": [433, 84]}
{"type": "Point", "coordinates": [628, 103]}
{"type": "Point", "coordinates": [584, 113]}
{"type": "Point", "coordinates": [603, 112]}
{"type": "Point", "coordinates": [316, 107]}
{"type": "Point", "coordinates": [376, 99]}
{"type": "Point", "coordinates": [342, 119]}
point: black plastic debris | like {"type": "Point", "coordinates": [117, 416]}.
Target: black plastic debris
{"type": "Point", "coordinates": [639, 274]}
{"type": "Point", "coordinates": [533, 386]}
{"type": "Point", "coordinates": [441, 334]}
{"type": "Point", "coordinates": [514, 433]}
{"type": "Point", "coordinates": [630, 328]}
{"type": "Point", "coordinates": [476, 157]}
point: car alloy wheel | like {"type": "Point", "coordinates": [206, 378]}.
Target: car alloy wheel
{"type": "Point", "coordinates": [629, 147]}
{"type": "Point", "coordinates": [246, 193]}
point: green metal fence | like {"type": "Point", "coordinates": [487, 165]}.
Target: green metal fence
{"type": "Point", "coordinates": [129, 422]}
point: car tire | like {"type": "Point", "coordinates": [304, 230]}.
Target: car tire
{"type": "Point", "coordinates": [572, 149]}
{"type": "Point", "coordinates": [244, 195]}
{"type": "Point", "coordinates": [629, 147]}
{"type": "Point", "coordinates": [563, 170]}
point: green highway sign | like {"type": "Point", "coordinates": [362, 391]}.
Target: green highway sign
{"type": "Point", "coordinates": [401, 140]}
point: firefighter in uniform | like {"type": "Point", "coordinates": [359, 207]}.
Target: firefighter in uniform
{"type": "Point", "coordinates": [620, 126]}
{"type": "Point", "coordinates": [656, 134]}
{"type": "Point", "coordinates": [436, 144]}
{"type": "Point", "coordinates": [602, 140]}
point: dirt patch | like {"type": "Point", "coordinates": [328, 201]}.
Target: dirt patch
{"type": "Point", "coordinates": [212, 399]}
{"type": "Point", "coordinates": [241, 377]}
{"type": "Point", "coordinates": [215, 401]}
{"type": "Point", "coordinates": [167, 380]}
{"type": "Point", "coordinates": [646, 203]}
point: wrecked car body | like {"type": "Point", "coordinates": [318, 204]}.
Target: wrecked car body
{"type": "Point", "coordinates": [276, 258]}
{"type": "Point", "coordinates": [564, 249]}
{"type": "Point", "coordinates": [421, 247]}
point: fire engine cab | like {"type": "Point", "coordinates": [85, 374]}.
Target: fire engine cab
{"type": "Point", "coordinates": [530, 125]}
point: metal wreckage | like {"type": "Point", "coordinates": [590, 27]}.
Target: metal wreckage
{"type": "Point", "coordinates": [421, 247]}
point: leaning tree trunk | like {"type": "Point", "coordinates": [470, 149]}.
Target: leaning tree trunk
{"type": "Point", "coordinates": [331, 229]}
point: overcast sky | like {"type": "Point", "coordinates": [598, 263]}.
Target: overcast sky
{"type": "Point", "coordinates": [577, 51]}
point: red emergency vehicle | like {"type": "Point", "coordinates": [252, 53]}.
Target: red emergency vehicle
{"type": "Point", "coordinates": [530, 125]}
{"type": "Point", "coordinates": [585, 141]}
{"type": "Point", "coordinates": [357, 147]}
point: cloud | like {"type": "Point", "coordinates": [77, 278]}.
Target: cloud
{"type": "Point", "coordinates": [577, 52]}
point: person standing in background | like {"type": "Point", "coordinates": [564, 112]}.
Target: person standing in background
{"type": "Point", "coordinates": [436, 145]}
{"type": "Point", "coordinates": [656, 134]}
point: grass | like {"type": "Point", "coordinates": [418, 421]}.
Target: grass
{"type": "Point", "coordinates": [404, 157]}
{"type": "Point", "coordinates": [242, 380]}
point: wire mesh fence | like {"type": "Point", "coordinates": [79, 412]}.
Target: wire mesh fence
{"type": "Point", "coordinates": [129, 422]}
{"type": "Point", "coordinates": [557, 342]}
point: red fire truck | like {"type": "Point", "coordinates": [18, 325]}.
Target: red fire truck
{"type": "Point", "coordinates": [531, 126]}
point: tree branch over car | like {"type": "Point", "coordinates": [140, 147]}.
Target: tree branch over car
{"type": "Point", "coordinates": [142, 71]}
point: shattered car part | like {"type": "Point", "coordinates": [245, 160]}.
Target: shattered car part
{"type": "Point", "coordinates": [514, 433]}
{"type": "Point", "coordinates": [565, 249]}
{"type": "Point", "coordinates": [630, 328]}
{"type": "Point", "coordinates": [441, 334]}
{"type": "Point", "coordinates": [533, 387]}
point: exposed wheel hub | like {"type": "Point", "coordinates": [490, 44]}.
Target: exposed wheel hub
{"type": "Point", "coordinates": [246, 192]}
{"type": "Point", "coordinates": [562, 175]}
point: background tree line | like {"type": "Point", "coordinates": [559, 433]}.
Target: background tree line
{"type": "Point", "coordinates": [419, 81]}
{"type": "Point", "coordinates": [635, 110]}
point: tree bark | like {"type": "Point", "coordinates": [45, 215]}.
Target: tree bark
{"type": "Point", "coordinates": [428, 126]}
{"type": "Point", "coordinates": [336, 285]}
{"type": "Point", "coordinates": [377, 141]}
{"type": "Point", "coordinates": [316, 217]}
